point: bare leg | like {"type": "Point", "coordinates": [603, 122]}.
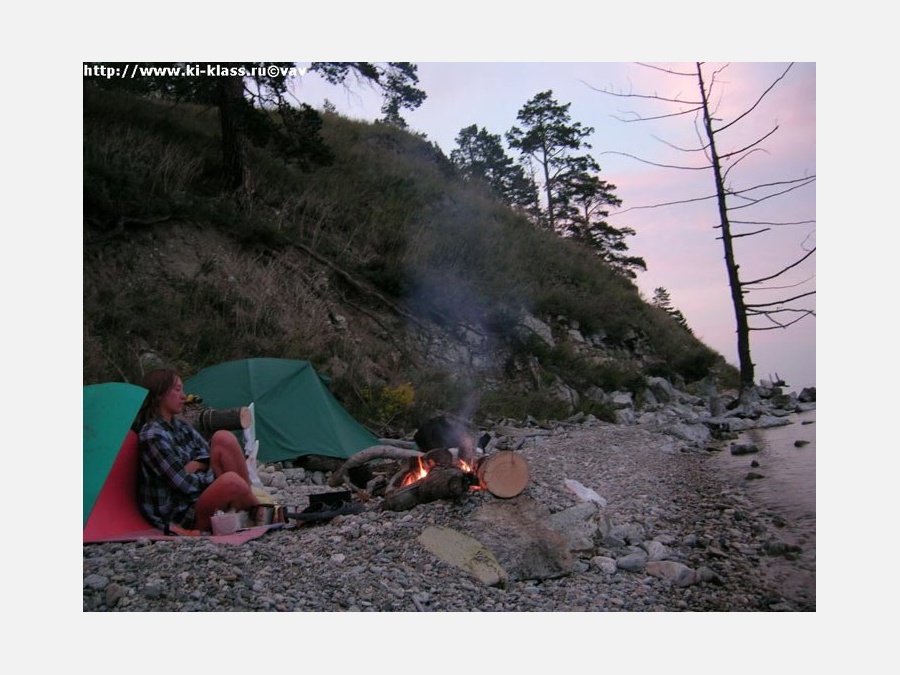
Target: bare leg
{"type": "Point", "coordinates": [226, 455]}
{"type": "Point", "coordinates": [228, 491]}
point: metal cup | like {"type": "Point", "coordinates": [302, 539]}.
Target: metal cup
{"type": "Point", "coordinates": [263, 514]}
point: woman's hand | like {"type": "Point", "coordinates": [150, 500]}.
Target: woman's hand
{"type": "Point", "coordinates": [196, 465]}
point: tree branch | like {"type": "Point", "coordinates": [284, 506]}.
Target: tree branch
{"type": "Point", "coordinates": [748, 147]}
{"type": "Point", "coordinates": [748, 234]}
{"type": "Point", "coordinates": [753, 306]}
{"type": "Point", "coordinates": [780, 272]}
{"type": "Point", "coordinates": [662, 166]}
{"type": "Point", "coordinates": [773, 223]}
{"type": "Point", "coordinates": [752, 201]}
{"type": "Point", "coordinates": [640, 118]}
{"type": "Point", "coordinates": [803, 314]}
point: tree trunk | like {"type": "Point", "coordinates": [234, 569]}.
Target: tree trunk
{"type": "Point", "coordinates": [734, 281]}
{"type": "Point", "coordinates": [231, 102]}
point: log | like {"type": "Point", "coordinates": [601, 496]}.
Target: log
{"type": "Point", "coordinates": [417, 463]}
{"type": "Point", "coordinates": [504, 474]}
{"type": "Point", "coordinates": [401, 500]}
{"type": "Point", "coordinates": [210, 420]}
{"type": "Point", "coordinates": [439, 457]}
{"type": "Point", "coordinates": [367, 455]}
{"type": "Point", "coordinates": [442, 482]}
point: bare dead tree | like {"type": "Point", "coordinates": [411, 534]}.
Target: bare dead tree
{"type": "Point", "coordinates": [779, 313]}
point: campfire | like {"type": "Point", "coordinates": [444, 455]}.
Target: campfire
{"type": "Point", "coordinates": [441, 472]}
{"type": "Point", "coordinates": [422, 466]}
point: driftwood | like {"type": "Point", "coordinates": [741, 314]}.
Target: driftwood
{"type": "Point", "coordinates": [375, 452]}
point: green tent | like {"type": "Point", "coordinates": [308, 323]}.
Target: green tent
{"type": "Point", "coordinates": [108, 412]}
{"type": "Point", "coordinates": [295, 413]}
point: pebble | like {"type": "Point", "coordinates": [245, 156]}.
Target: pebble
{"type": "Point", "coordinates": [674, 536]}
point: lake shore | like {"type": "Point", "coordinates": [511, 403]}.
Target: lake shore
{"type": "Point", "coordinates": [659, 496]}
{"type": "Point", "coordinates": [784, 482]}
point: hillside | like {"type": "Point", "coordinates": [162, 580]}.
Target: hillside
{"type": "Point", "coordinates": [414, 292]}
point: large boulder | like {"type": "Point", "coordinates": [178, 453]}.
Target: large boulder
{"type": "Point", "coordinates": [518, 533]}
{"type": "Point", "coordinates": [662, 389]}
{"type": "Point", "coordinates": [807, 395]}
{"type": "Point", "coordinates": [533, 325]}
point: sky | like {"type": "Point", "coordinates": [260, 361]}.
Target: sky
{"type": "Point", "coordinates": [679, 242]}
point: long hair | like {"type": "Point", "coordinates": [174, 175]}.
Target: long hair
{"type": "Point", "coordinates": [157, 383]}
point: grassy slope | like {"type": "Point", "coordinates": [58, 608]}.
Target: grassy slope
{"type": "Point", "coordinates": [344, 266]}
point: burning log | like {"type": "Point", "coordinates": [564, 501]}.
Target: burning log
{"type": "Point", "coordinates": [440, 472]}
{"type": "Point", "coordinates": [441, 482]}
{"type": "Point", "coordinates": [504, 474]}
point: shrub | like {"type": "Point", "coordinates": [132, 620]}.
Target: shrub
{"type": "Point", "coordinates": [519, 405]}
{"type": "Point", "coordinates": [383, 406]}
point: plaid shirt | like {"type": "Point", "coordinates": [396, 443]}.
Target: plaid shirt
{"type": "Point", "coordinates": [166, 492]}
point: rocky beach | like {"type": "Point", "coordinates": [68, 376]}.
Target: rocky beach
{"type": "Point", "coordinates": [628, 517]}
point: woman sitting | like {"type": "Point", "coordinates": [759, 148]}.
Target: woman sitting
{"type": "Point", "coordinates": [183, 479]}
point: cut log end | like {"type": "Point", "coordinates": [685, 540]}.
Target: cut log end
{"type": "Point", "coordinates": [504, 474]}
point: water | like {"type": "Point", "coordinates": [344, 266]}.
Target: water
{"type": "Point", "coordinates": [788, 485]}
{"type": "Point", "coordinates": [788, 489]}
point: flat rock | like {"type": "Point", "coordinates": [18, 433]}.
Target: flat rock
{"type": "Point", "coordinates": [464, 552]}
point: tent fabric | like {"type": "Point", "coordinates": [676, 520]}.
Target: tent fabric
{"type": "Point", "coordinates": [116, 516]}
{"type": "Point", "coordinates": [108, 413]}
{"type": "Point", "coordinates": [294, 411]}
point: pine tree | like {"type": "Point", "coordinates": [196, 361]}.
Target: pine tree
{"type": "Point", "coordinates": [663, 300]}
{"type": "Point", "coordinates": [480, 157]}
{"type": "Point", "coordinates": [576, 199]}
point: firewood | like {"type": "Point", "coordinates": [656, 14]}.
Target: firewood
{"type": "Point", "coordinates": [401, 500]}
{"type": "Point", "coordinates": [504, 474]}
{"type": "Point", "coordinates": [439, 457]}
{"type": "Point", "coordinates": [375, 452]}
{"type": "Point", "coordinates": [441, 482]}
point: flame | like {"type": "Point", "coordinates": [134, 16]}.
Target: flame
{"type": "Point", "coordinates": [421, 470]}
{"type": "Point", "coordinates": [416, 474]}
